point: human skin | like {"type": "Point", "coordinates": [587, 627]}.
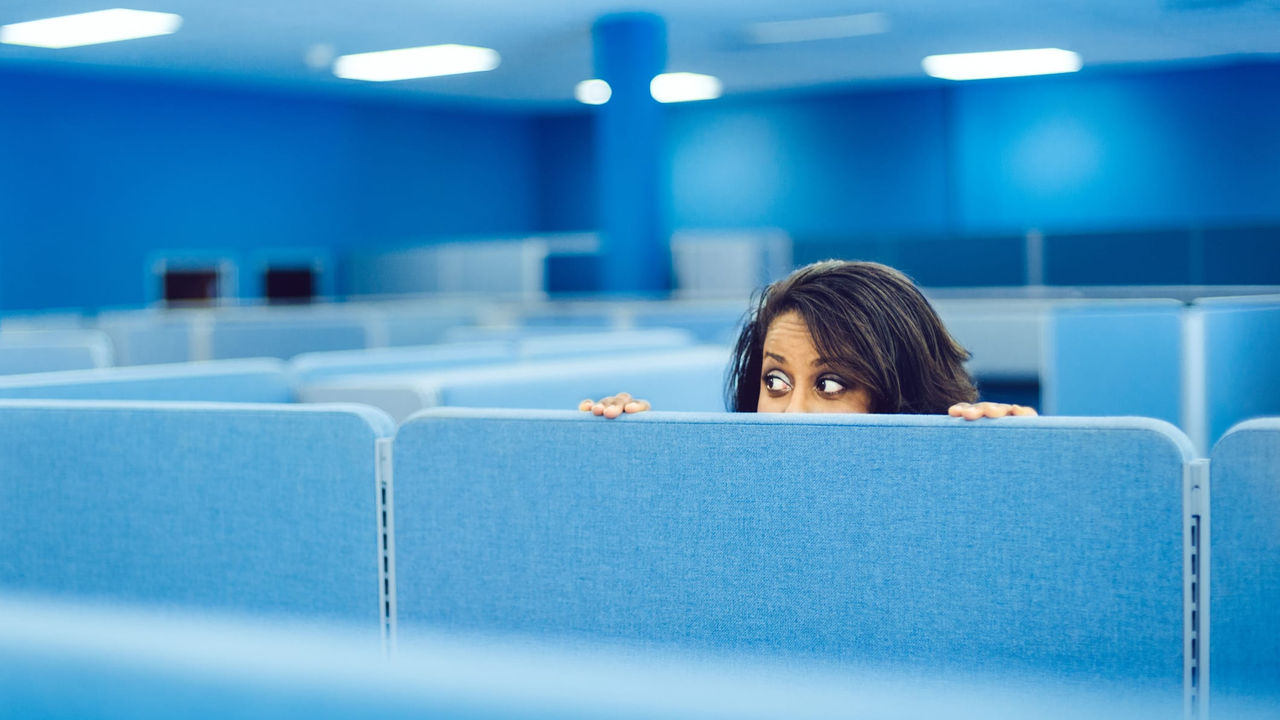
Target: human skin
{"type": "Point", "coordinates": [795, 378]}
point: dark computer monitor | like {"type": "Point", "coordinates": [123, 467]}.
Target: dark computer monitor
{"type": "Point", "coordinates": [190, 286]}
{"type": "Point", "coordinates": [283, 285]}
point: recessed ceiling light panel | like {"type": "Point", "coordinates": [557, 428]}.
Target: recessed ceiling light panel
{"type": "Point", "coordinates": [91, 28]}
{"type": "Point", "coordinates": [1002, 63]}
{"type": "Point", "coordinates": [684, 87]}
{"type": "Point", "coordinates": [593, 92]}
{"type": "Point", "coordinates": [417, 62]}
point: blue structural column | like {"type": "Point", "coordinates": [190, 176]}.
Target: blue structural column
{"type": "Point", "coordinates": [634, 184]}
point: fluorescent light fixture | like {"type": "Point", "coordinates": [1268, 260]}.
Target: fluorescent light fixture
{"type": "Point", "coordinates": [417, 62]}
{"type": "Point", "coordinates": [684, 87]}
{"type": "Point", "coordinates": [1003, 63]}
{"type": "Point", "coordinates": [593, 92]}
{"type": "Point", "coordinates": [826, 28]}
{"type": "Point", "coordinates": [91, 28]}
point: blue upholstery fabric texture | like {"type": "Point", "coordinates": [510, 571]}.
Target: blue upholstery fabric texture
{"type": "Point", "coordinates": [257, 508]}
{"type": "Point", "coordinates": [1115, 359]}
{"type": "Point", "coordinates": [1044, 547]}
{"type": "Point", "coordinates": [1241, 346]}
{"type": "Point", "coordinates": [69, 661]}
{"type": "Point", "coordinates": [247, 381]}
{"type": "Point", "coordinates": [1244, 586]}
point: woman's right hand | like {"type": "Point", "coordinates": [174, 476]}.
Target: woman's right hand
{"type": "Point", "coordinates": [614, 405]}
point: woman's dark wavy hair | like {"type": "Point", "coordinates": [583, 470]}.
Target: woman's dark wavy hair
{"type": "Point", "coordinates": [873, 326]}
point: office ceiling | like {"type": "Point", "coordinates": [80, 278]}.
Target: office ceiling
{"type": "Point", "coordinates": [546, 44]}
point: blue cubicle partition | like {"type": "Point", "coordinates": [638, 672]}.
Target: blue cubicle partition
{"type": "Point", "coordinates": [1120, 358]}
{"type": "Point", "coordinates": [1020, 548]}
{"type": "Point", "coordinates": [143, 337]}
{"type": "Point", "coordinates": [683, 379]}
{"type": "Point", "coordinates": [257, 381]}
{"type": "Point", "coordinates": [514, 345]}
{"type": "Point", "coordinates": [267, 509]}
{"type": "Point", "coordinates": [77, 661]}
{"type": "Point", "coordinates": [284, 334]}
{"type": "Point", "coordinates": [34, 351]}
{"type": "Point", "coordinates": [1244, 589]}
{"type": "Point", "coordinates": [310, 368]}
{"type": "Point", "coordinates": [1238, 353]}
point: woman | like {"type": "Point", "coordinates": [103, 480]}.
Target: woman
{"type": "Point", "coordinates": [835, 336]}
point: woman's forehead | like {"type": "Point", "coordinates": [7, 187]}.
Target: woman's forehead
{"type": "Point", "coordinates": [789, 335]}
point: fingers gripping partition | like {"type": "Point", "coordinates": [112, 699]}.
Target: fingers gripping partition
{"type": "Point", "coordinates": [1039, 546]}
{"type": "Point", "coordinates": [251, 508]}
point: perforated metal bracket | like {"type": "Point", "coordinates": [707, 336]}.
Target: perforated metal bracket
{"type": "Point", "coordinates": [1195, 515]}
{"type": "Point", "coordinates": [386, 546]}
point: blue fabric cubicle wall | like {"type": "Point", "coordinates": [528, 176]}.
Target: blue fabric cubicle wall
{"type": "Point", "coordinates": [256, 380]}
{"type": "Point", "coordinates": [317, 367]}
{"type": "Point", "coordinates": [1124, 358]}
{"type": "Point", "coordinates": [149, 338]}
{"type": "Point", "coordinates": [517, 345]}
{"type": "Point", "coordinates": [253, 508]}
{"type": "Point", "coordinates": [36, 351]}
{"type": "Point", "coordinates": [1036, 547]}
{"type": "Point", "coordinates": [1240, 342]}
{"type": "Point", "coordinates": [682, 379]}
{"type": "Point", "coordinates": [1244, 589]}
{"type": "Point", "coordinates": [286, 337]}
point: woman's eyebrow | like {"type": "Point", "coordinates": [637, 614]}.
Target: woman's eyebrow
{"type": "Point", "coordinates": [777, 357]}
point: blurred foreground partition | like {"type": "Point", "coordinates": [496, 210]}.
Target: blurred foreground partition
{"type": "Point", "coordinates": [1048, 549]}
{"type": "Point", "coordinates": [61, 660]}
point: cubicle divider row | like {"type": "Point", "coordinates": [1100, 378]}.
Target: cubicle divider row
{"type": "Point", "coordinates": [1204, 367]}
{"type": "Point", "coordinates": [162, 336]}
{"type": "Point", "coordinates": [1072, 551]}
{"type": "Point", "coordinates": [539, 367]}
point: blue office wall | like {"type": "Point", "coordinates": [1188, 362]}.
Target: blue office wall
{"type": "Point", "coordinates": [566, 190]}
{"type": "Point", "coordinates": [1141, 175]}
{"type": "Point", "coordinates": [1105, 150]}
{"type": "Point", "coordinates": [1133, 176]}
{"type": "Point", "coordinates": [99, 173]}
{"type": "Point", "coordinates": [859, 163]}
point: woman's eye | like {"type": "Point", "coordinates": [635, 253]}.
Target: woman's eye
{"type": "Point", "coordinates": [830, 386]}
{"type": "Point", "coordinates": [776, 382]}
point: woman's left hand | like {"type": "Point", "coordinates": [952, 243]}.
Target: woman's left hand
{"type": "Point", "coordinates": [973, 411]}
